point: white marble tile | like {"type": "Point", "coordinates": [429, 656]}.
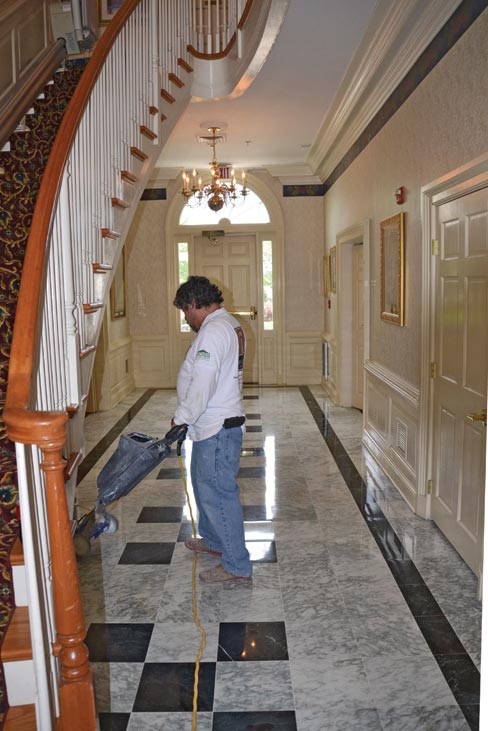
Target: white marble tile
{"type": "Point", "coordinates": [340, 716]}
{"type": "Point", "coordinates": [415, 681]}
{"type": "Point", "coordinates": [257, 686]}
{"type": "Point", "coordinates": [319, 682]}
{"type": "Point", "coordinates": [424, 718]}
{"type": "Point", "coordinates": [168, 722]}
{"type": "Point", "coordinates": [173, 641]}
{"type": "Point", "coordinates": [116, 685]}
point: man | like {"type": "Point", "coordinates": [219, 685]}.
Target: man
{"type": "Point", "coordinates": [209, 390]}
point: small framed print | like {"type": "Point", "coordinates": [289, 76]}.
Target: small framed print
{"type": "Point", "coordinates": [107, 10]}
{"type": "Point", "coordinates": [332, 269]}
{"type": "Point", "coordinates": [326, 276]}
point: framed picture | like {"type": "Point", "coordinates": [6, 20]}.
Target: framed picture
{"type": "Point", "coordinates": [333, 270]}
{"type": "Point", "coordinates": [326, 276]}
{"type": "Point", "coordinates": [392, 269]}
{"type": "Point", "coordinates": [107, 10]}
{"type": "Point", "coordinates": [117, 292]}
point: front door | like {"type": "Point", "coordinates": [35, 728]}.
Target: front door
{"type": "Point", "coordinates": [230, 262]}
{"type": "Point", "coordinates": [461, 353]}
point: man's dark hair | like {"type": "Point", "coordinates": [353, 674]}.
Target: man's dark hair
{"type": "Point", "coordinates": [198, 291]}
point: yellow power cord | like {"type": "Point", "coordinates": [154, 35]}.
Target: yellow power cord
{"type": "Point", "coordinates": [194, 603]}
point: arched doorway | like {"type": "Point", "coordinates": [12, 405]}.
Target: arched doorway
{"type": "Point", "coordinates": [241, 250]}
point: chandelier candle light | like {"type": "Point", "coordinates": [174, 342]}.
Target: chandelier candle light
{"type": "Point", "coordinates": [222, 189]}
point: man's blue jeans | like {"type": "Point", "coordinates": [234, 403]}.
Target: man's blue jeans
{"type": "Point", "coordinates": [214, 468]}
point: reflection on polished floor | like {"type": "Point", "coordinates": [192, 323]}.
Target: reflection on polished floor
{"type": "Point", "coordinates": [360, 616]}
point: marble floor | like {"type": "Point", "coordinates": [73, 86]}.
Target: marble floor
{"type": "Point", "coordinates": [360, 615]}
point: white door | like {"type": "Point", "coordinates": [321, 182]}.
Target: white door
{"type": "Point", "coordinates": [461, 353]}
{"type": "Point", "coordinates": [357, 326]}
{"type": "Point", "coordinates": [230, 262]}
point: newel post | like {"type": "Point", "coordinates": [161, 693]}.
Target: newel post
{"type": "Point", "coordinates": [77, 705]}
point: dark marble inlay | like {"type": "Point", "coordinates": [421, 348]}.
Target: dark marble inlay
{"type": "Point", "coordinates": [169, 473]}
{"type": "Point", "coordinates": [99, 449]}
{"type": "Point", "coordinates": [160, 515]}
{"type": "Point", "coordinates": [126, 642]}
{"type": "Point", "coordinates": [147, 553]}
{"type": "Point", "coordinates": [252, 641]}
{"type": "Point", "coordinates": [463, 677]}
{"type": "Point", "coordinates": [167, 687]}
{"type": "Point", "coordinates": [258, 471]}
{"type": "Point", "coordinates": [459, 670]}
{"type": "Point", "coordinates": [250, 397]}
{"type": "Point", "coordinates": [253, 416]}
{"type": "Point", "coordinates": [113, 721]}
{"type": "Point", "coordinates": [437, 635]}
{"type": "Point", "coordinates": [254, 721]}
{"type": "Point", "coordinates": [254, 429]}
{"type": "Point", "coordinates": [472, 716]}
{"type": "Point", "coordinates": [421, 602]}
{"type": "Point", "coordinates": [253, 452]}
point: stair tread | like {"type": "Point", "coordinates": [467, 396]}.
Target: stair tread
{"type": "Point", "coordinates": [21, 718]}
{"type": "Point", "coordinates": [17, 643]}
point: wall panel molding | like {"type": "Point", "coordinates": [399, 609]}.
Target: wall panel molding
{"type": "Point", "coordinates": [303, 358]}
{"type": "Point", "coordinates": [391, 429]}
{"type": "Point", "coordinates": [151, 359]}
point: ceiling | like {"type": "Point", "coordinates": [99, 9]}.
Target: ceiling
{"type": "Point", "coordinates": [326, 54]}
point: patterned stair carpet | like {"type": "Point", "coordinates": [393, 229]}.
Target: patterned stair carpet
{"type": "Point", "coordinates": [21, 171]}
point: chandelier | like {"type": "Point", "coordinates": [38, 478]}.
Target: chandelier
{"type": "Point", "coordinates": [222, 189]}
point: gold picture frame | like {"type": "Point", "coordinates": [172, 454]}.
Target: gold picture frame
{"type": "Point", "coordinates": [107, 10]}
{"type": "Point", "coordinates": [333, 269]}
{"type": "Point", "coordinates": [392, 276]}
{"type": "Point", "coordinates": [326, 276]}
{"type": "Point", "coordinates": [118, 305]}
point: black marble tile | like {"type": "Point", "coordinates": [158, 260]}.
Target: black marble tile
{"type": "Point", "coordinates": [147, 553]}
{"type": "Point", "coordinates": [186, 531]}
{"type": "Point", "coordinates": [405, 571]}
{"type": "Point", "coordinates": [255, 471]}
{"type": "Point", "coordinates": [472, 716]}
{"type": "Point", "coordinates": [254, 721]}
{"type": "Point", "coordinates": [160, 515]}
{"type": "Point", "coordinates": [253, 416]}
{"type": "Point", "coordinates": [125, 642]}
{"type": "Point", "coordinates": [420, 600]}
{"type": "Point", "coordinates": [253, 452]}
{"type": "Point", "coordinates": [113, 721]}
{"type": "Point", "coordinates": [169, 473]}
{"type": "Point", "coordinates": [262, 551]}
{"type": "Point", "coordinates": [462, 676]}
{"type": "Point", "coordinates": [251, 429]}
{"type": "Point", "coordinates": [250, 397]}
{"type": "Point", "coordinates": [252, 641]}
{"type": "Point", "coordinates": [440, 636]}
{"type": "Point", "coordinates": [256, 512]}
{"type": "Point", "coordinates": [167, 687]}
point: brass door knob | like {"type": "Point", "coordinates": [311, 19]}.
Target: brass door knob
{"type": "Point", "coordinates": [477, 416]}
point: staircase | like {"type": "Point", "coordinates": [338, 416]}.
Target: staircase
{"type": "Point", "coordinates": [123, 108]}
{"type": "Point", "coordinates": [22, 165]}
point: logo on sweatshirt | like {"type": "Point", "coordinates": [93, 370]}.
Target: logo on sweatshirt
{"type": "Point", "coordinates": [202, 355]}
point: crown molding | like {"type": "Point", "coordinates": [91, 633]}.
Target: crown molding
{"type": "Point", "coordinates": [397, 35]}
{"type": "Point", "coordinates": [298, 174]}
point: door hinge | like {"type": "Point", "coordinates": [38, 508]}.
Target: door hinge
{"type": "Point", "coordinates": [433, 370]}
{"type": "Point", "coordinates": [435, 247]}
{"type": "Point", "coordinates": [430, 485]}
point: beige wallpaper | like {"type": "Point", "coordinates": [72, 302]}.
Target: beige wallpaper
{"type": "Point", "coordinates": [304, 237]}
{"type": "Point", "coordinates": [147, 295]}
{"type": "Point", "coordinates": [443, 125]}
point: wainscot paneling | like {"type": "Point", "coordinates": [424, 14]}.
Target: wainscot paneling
{"type": "Point", "coordinates": [152, 364]}
{"type": "Point", "coordinates": [121, 379]}
{"type": "Point", "coordinates": [303, 358]}
{"type": "Point", "coordinates": [391, 427]}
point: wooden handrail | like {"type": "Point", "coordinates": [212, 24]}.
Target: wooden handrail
{"type": "Point", "coordinates": [222, 54]}
{"type": "Point", "coordinates": [27, 313]}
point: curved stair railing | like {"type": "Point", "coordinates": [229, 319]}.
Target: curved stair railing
{"type": "Point", "coordinates": [132, 92]}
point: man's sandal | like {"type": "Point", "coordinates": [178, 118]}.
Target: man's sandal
{"type": "Point", "coordinates": [198, 546]}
